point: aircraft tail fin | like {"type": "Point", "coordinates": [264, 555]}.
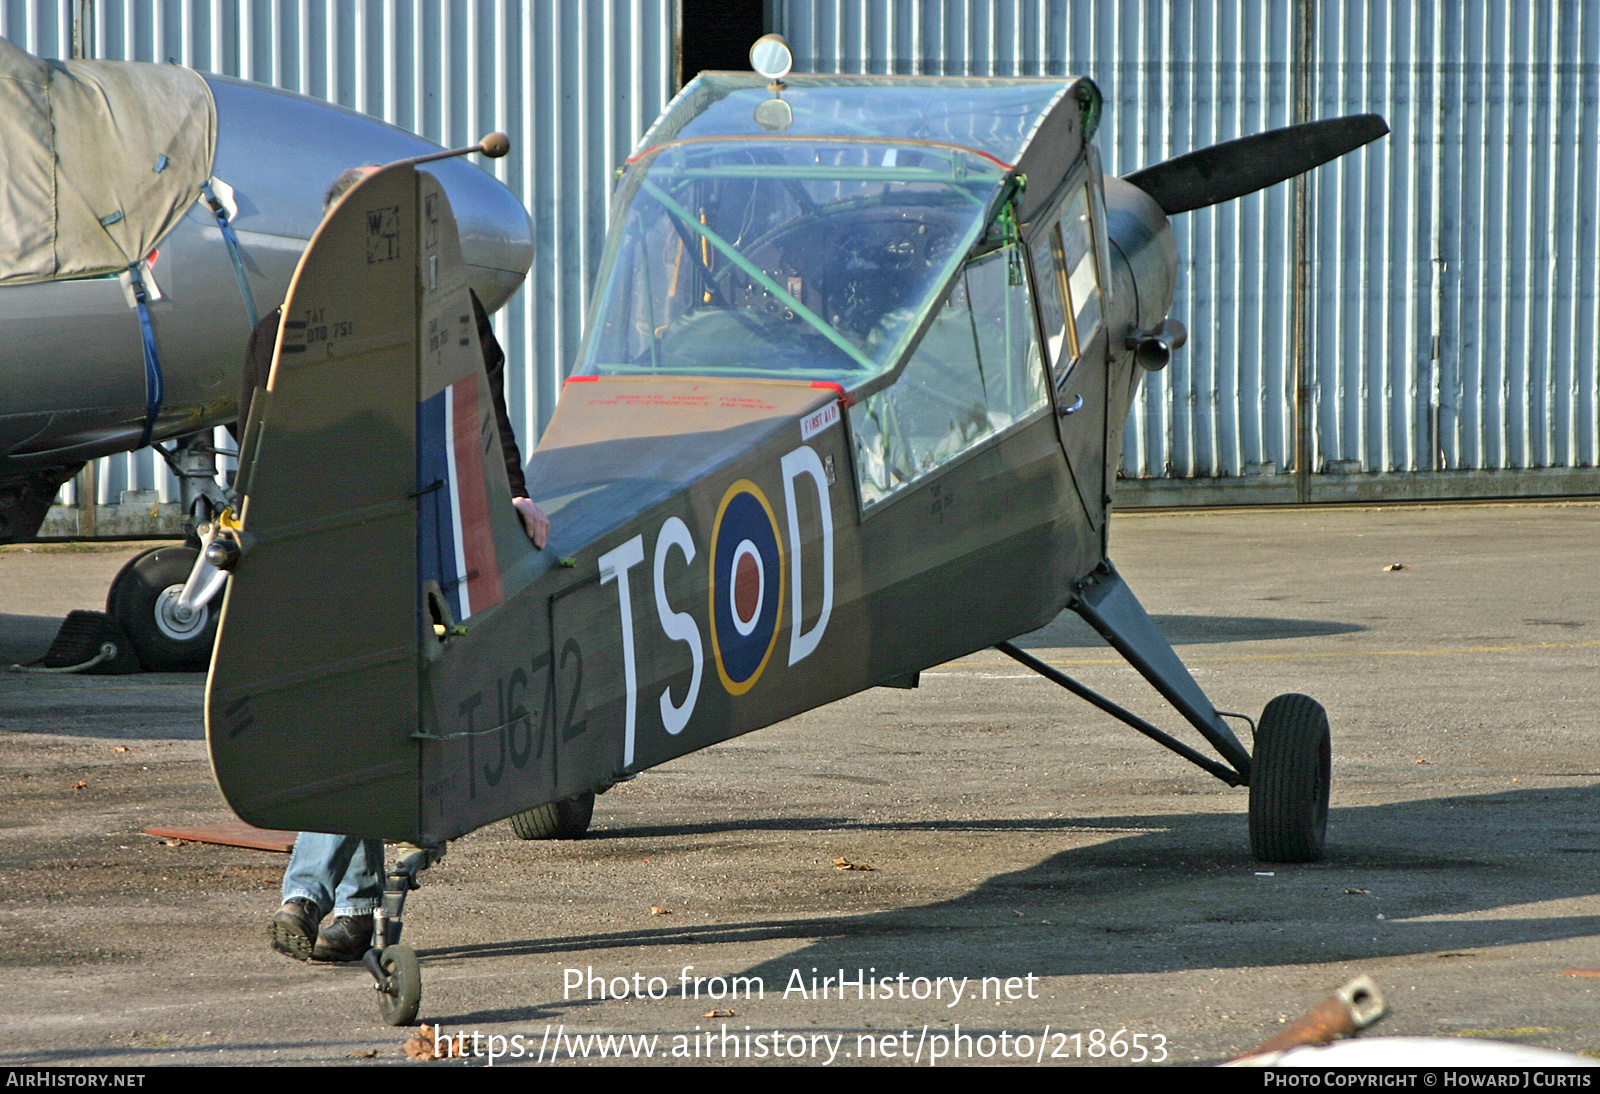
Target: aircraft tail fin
{"type": "Point", "coordinates": [376, 505]}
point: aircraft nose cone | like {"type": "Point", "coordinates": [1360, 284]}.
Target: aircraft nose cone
{"type": "Point", "coordinates": [496, 236]}
{"type": "Point", "coordinates": [279, 151]}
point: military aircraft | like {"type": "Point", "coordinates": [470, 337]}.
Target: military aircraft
{"type": "Point", "coordinates": [857, 355]}
{"type": "Point", "coordinates": [150, 213]}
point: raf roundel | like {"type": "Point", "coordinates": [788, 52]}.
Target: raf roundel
{"type": "Point", "coordinates": [747, 586]}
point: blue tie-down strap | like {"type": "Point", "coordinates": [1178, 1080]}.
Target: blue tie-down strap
{"type": "Point", "coordinates": [228, 237]}
{"type": "Point", "coordinates": [152, 361]}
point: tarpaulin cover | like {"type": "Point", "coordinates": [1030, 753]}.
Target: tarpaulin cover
{"type": "Point", "coordinates": [98, 160]}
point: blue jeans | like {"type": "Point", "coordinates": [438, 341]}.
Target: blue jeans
{"type": "Point", "coordinates": [341, 872]}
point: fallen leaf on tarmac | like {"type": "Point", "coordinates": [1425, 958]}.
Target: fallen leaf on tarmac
{"type": "Point", "coordinates": [1422, 761]}
{"type": "Point", "coordinates": [656, 909]}
{"type": "Point", "coordinates": [1393, 566]}
{"type": "Point", "coordinates": [1016, 913]}
{"type": "Point", "coordinates": [718, 1013]}
{"type": "Point", "coordinates": [426, 1044]}
{"type": "Point", "coordinates": [174, 842]}
{"type": "Point", "coordinates": [846, 864]}
{"type": "Point", "coordinates": [80, 785]}
{"type": "Point", "coordinates": [1357, 892]}
{"type": "Point", "coordinates": [121, 748]}
{"type": "Point", "coordinates": [367, 1055]}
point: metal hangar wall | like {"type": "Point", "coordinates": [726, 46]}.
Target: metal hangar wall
{"type": "Point", "coordinates": [1447, 321]}
{"type": "Point", "coordinates": [1445, 325]}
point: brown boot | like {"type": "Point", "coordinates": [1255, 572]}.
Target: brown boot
{"type": "Point", "coordinates": [293, 929]}
{"type": "Point", "coordinates": [345, 939]}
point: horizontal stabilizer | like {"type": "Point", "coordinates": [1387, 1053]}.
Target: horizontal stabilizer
{"type": "Point", "coordinates": [1235, 168]}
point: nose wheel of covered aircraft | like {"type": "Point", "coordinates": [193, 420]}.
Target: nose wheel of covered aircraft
{"type": "Point", "coordinates": [144, 600]}
{"type": "Point", "coordinates": [1289, 781]}
{"type": "Point", "coordinates": [566, 819]}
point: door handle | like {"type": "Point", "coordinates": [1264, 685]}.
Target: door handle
{"type": "Point", "coordinates": [1077, 405]}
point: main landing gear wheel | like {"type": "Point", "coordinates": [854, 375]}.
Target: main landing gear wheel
{"type": "Point", "coordinates": [566, 819]}
{"type": "Point", "coordinates": [400, 988]}
{"type": "Point", "coordinates": [1289, 781]}
{"type": "Point", "coordinates": [144, 601]}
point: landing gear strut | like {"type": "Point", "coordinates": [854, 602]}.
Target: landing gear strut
{"type": "Point", "coordinates": [163, 598]}
{"type": "Point", "coordinates": [393, 966]}
{"type": "Point", "coordinates": [1288, 771]}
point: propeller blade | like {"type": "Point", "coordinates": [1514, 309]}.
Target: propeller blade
{"type": "Point", "coordinates": [1235, 168]}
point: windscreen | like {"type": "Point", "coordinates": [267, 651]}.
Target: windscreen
{"type": "Point", "coordinates": [783, 257]}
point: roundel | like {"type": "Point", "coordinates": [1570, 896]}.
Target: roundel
{"type": "Point", "coordinates": [746, 586]}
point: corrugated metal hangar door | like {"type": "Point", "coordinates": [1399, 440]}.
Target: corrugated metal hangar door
{"type": "Point", "coordinates": [1446, 327]}
{"type": "Point", "coordinates": [1440, 342]}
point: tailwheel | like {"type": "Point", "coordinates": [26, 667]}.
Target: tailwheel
{"type": "Point", "coordinates": [399, 985]}
{"type": "Point", "coordinates": [566, 819]}
{"type": "Point", "coordinates": [1289, 781]}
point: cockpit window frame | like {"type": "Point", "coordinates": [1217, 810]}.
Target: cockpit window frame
{"type": "Point", "coordinates": [1084, 177]}
{"type": "Point", "coordinates": [996, 190]}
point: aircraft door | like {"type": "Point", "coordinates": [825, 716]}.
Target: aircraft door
{"type": "Point", "coordinates": [1068, 290]}
{"type": "Point", "coordinates": [976, 373]}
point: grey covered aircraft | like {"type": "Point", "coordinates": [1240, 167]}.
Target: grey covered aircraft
{"type": "Point", "coordinates": [858, 355]}
{"type": "Point", "coordinates": [150, 213]}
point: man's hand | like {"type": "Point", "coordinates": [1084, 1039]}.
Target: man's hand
{"type": "Point", "coordinates": [534, 522]}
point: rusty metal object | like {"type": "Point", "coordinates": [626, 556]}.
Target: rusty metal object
{"type": "Point", "coordinates": [232, 834]}
{"type": "Point", "coordinates": [1346, 1012]}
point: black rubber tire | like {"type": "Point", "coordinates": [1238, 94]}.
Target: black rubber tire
{"type": "Point", "coordinates": [401, 998]}
{"type": "Point", "coordinates": [1289, 781]}
{"type": "Point", "coordinates": [135, 598]}
{"type": "Point", "coordinates": [566, 819]}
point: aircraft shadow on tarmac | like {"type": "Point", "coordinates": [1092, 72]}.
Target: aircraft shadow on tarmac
{"type": "Point", "coordinates": [1170, 893]}
{"type": "Point", "coordinates": [25, 637]}
{"type": "Point", "coordinates": [151, 706]}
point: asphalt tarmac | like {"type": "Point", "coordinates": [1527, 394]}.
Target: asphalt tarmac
{"type": "Point", "coordinates": [1041, 877]}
